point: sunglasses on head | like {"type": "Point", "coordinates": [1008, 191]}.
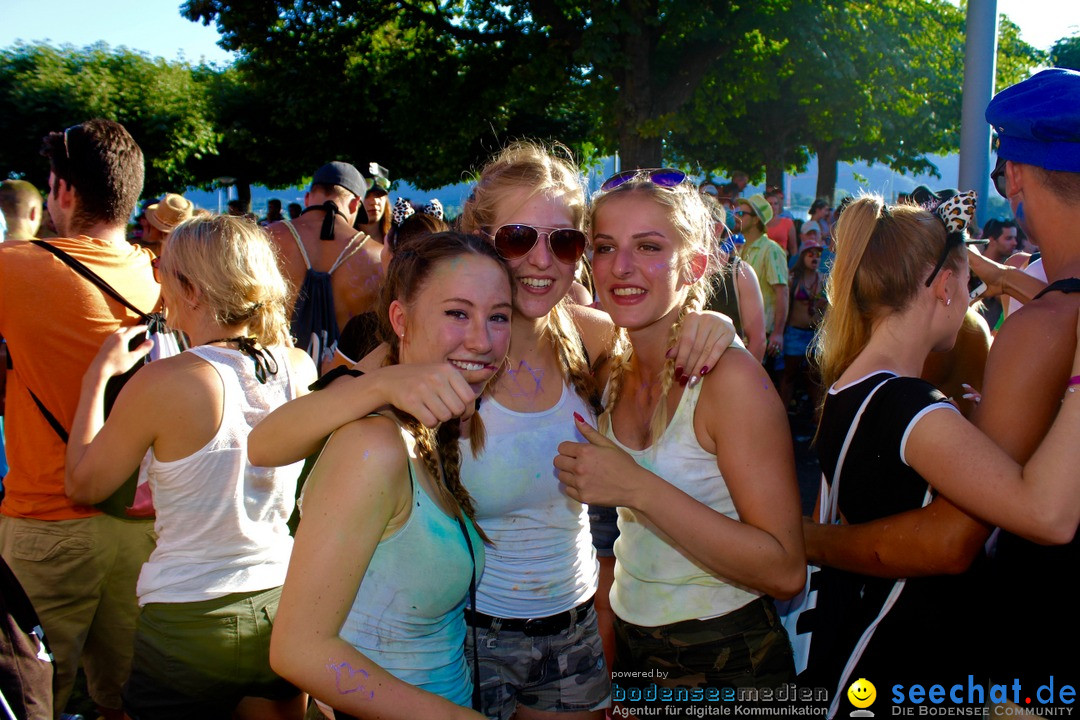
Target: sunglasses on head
{"type": "Point", "coordinates": [664, 177]}
{"type": "Point", "coordinates": [997, 176]}
{"type": "Point", "coordinates": [517, 241]}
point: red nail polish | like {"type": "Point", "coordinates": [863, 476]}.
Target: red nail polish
{"type": "Point", "coordinates": [579, 418]}
{"type": "Point", "coordinates": [678, 373]}
{"type": "Point", "coordinates": [704, 370]}
{"type": "Point", "coordinates": [683, 381]}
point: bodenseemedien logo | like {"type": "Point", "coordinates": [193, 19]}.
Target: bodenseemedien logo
{"type": "Point", "coordinates": [862, 695]}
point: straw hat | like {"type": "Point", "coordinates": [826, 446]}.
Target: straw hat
{"type": "Point", "coordinates": [169, 212]}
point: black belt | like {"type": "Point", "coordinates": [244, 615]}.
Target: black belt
{"type": "Point", "coordinates": [532, 627]}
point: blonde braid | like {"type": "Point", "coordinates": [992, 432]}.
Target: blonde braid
{"type": "Point", "coordinates": [568, 346]}
{"type": "Point", "coordinates": [620, 362]}
{"type": "Point", "coordinates": [695, 299]}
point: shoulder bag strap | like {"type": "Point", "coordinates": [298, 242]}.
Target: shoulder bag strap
{"type": "Point", "coordinates": [834, 489]}
{"type": "Point", "coordinates": [92, 277]}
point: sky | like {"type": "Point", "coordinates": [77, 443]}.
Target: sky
{"type": "Point", "coordinates": [157, 28]}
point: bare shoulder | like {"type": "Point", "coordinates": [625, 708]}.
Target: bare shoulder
{"type": "Point", "coordinates": [303, 367]}
{"type": "Point", "coordinates": [368, 453]}
{"type": "Point", "coordinates": [737, 396]}
{"type": "Point", "coordinates": [597, 330]}
{"type": "Point", "coordinates": [1043, 332]}
{"type": "Point", "coordinates": [1026, 373]}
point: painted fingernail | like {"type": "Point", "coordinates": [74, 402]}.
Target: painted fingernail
{"type": "Point", "coordinates": [678, 372]}
{"type": "Point", "coordinates": [693, 381]}
{"type": "Point", "coordinates": [579, 418]}
{"type": "Point", "coordinates": [683, 381]}
{"type": "Point", "coordinates": [704, 370]}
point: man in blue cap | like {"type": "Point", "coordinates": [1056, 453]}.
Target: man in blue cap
{"type": "Point", "coordinates": [1037, 123]}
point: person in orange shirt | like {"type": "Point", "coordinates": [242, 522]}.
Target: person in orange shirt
{"type": "Point", "coordinates": [77, 565]}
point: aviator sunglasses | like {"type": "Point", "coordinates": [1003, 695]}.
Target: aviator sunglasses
{"type": "Point", "coordinates": [517, 241]}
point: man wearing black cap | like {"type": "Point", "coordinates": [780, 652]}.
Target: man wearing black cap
{"type": "Point", "coordinates": [332, 269]}
{"type": "Point", "coordinates": [1038, 125]}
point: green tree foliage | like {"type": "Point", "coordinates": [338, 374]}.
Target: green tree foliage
{"type": "Point", "coordinates": [1066, 53]}
{"type": "Point", "coordinates": [163, 105]}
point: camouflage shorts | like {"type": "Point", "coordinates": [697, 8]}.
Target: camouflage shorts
{"type": "Point", "coordinates": [747, 647]}
{"type": "Point", "coordinates": [564, 672]}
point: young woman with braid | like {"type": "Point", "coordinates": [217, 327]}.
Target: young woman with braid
{"type": "Point", "coordinates": [539, 647]}
{"type": "Point", "coordinates": [370, 620]}
{"type": "Point", "coordinates": [703, 475]}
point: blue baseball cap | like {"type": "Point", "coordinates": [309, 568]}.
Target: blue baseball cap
{"type": "Point", "coordinates": [1038, 120]}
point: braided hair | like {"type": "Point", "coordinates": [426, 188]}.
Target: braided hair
{"type": "Point", "coordinates": [408, 272]}
{"type": "Point", "coordinates": [693, 221]}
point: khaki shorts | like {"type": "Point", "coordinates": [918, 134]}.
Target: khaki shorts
{"type": "Point", "coordinates": [80, 575]}
{"type": "Point", "coordinates": [199, 659]}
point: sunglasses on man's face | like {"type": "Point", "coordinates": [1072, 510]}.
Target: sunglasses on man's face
{"type": "Point", "coordinates": [741, 213]}
{"type": "Point", "coordinates": [517, 241]}
{"type": "Point", "coordinates": [997, 176]}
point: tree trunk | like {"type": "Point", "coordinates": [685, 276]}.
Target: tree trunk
{"type": "Point", "coordinates": [635, 82]}
{"type": "Point", "coordinates": [827, 156]}
{"type": "Point", "coordinates": [774, 167]}
{"type": "Point", "coordinates": [636, 151]}
{"type": "Point", "coordinates": [243, 194]}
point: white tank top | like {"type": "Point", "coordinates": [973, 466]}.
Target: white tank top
{"type": "Point", "coordinates": [221, 522]}
{"type": "Point", "coordinates": [541, 560]}
{"type": "Point", "coordinates": [655, 583]}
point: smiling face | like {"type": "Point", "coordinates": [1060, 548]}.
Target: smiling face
{"type": "Point", "coordinates": [640, 272]}
{"type": "Point", "coordinates": [862, 693]}
{"type": "Point", "coordinates": [542, 279]}
{"type": "Point", "coordinates": [460, 315]}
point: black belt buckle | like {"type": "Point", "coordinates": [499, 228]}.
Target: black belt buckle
{"type": "Point", "coordinates": [542, 627]}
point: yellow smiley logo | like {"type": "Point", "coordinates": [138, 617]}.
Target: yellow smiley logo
{"type": "Point", "coordinates": [862, 693]}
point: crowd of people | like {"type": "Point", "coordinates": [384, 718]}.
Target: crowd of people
{"type": "Point", "coordinates": [550, 471]}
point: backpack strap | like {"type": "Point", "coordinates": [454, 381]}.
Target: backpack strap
{"type": "Point", "coordinates": [351, 248]}
{"type": "Point", "coordinates": [299, 243]}
{"type": "Point", "coordinates": [92, 277]}
{"type": "Point", "coordinates": [1065, 285]}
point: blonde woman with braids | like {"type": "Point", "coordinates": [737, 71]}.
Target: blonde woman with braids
{"type": "Point", "coordinates": [539, 647]}
{"type": "Point", "coordinates": [703, 475]}
{"type": "Point", "coordinates": [897, 291]}
{"type": "Point", "coordinates": [210, 589]}
{"type": "Point", "coordinates": [371, 614]}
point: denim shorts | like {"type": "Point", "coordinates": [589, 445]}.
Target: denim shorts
{"type": "Point", "coordinates": [564, 672]}
{"type": "Point", "coordinates": [199, 659]}
{"type": "Point", "coordinates": [604, 524]}
{"type": "Point", "coordinates": [798, 340]}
